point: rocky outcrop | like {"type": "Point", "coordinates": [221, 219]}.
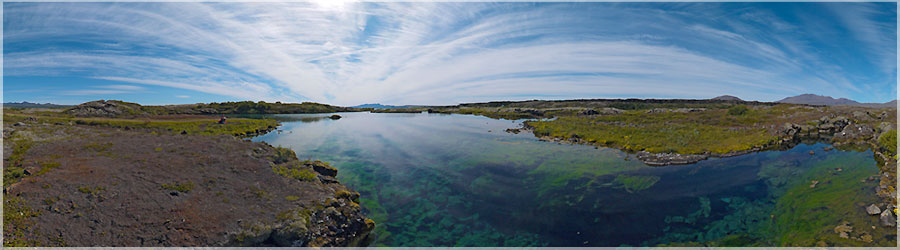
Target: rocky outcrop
{"type": "Point", "coordinates": [855, 132]}
{"type": "Point", "coordinates": [103, 108]}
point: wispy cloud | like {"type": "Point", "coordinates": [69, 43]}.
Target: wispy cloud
{"type": "Point", "coordinates": [94, 92]}
{"type": "Point", "coordinates": [444, 53]}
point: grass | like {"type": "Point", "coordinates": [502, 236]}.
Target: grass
{"type": "Point", "coordinates": [47, 166]}
{"type": "Point", "coordinates": [180, 187]}
{"type": "Point", "coordinates": [12, 169]}
{"type": "Point", "coordinates": [17, 222]}
{"type": "Point", "coordinates": [671, 132]}
{"type": "Point", "coordinates": [194, 126]}
{"type": "Point", "coordinates": [99, 147]}
{"type": "Point", "coordinates": [95, 191]}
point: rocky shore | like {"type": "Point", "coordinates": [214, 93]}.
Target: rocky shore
{"type": "Point", "coordinates": [83, 185]}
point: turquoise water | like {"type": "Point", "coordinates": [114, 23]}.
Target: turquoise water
{"type": "Point", "coordinates": [460, 180]}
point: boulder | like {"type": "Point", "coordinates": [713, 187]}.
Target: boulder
{"type": "Point", "coordinates": [873, 210]}
{"type": "Point", "coordinates": [335, 117]}
{"type": "Point", "coordinates": [790, 129]}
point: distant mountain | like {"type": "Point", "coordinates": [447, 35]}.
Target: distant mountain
{"type": "Point", "coordinates": [726, 98]}
{"type": "Point", "coordinates": [33, 105]}
{"type": "Point", "coordinates": [379, 106]}
{"type": "Point", "coordinates": [812, 99]}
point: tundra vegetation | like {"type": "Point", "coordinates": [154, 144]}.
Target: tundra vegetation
{"type": "Point", "coordinates": [65, 168]}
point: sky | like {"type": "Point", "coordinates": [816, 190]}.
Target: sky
{"type": "Point", "coordinates": [351, 53]}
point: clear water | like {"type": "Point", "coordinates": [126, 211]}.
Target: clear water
{"type": "Point", "coordinates": [460, 180]}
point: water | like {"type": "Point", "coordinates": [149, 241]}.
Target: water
{"type": "Point", "coordinates": [460, 180]}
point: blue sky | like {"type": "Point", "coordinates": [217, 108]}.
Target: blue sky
{"type": "Point", "coordinates": [347, 53]}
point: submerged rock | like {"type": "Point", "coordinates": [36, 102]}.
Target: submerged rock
{"type": "Point", "coordinates": [887, 218]}
{"type": "Point", "coordinates": [335, 117]}
{"type": "Point", "coordinates": [873, 210]}
{"type": "Point", "coordinates": [662, 159]}
{"type": "Point", "coordinates": [844, 230]}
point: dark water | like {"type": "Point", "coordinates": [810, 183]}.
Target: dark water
{"type": "Point", "coordinates": [460, 180]}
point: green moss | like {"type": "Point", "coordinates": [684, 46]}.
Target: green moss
{"type": "Point", "coordinates": [295, 172]}
{"type": "Point", "coordinates": [291, 198]}
{"type": "Point", "coordinates": [180, 187]}
{"type": "Point", "coordinates": [888, 141]}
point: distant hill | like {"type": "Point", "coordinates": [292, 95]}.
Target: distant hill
{"type": "Point", "coordinates": [726, 98]}
{"type": "Point", "coordinates": [33, 105]}
{"type": "Point", "coordinates": [812, 99]}
{"type": "Point", "coordinates": [379, 106]}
